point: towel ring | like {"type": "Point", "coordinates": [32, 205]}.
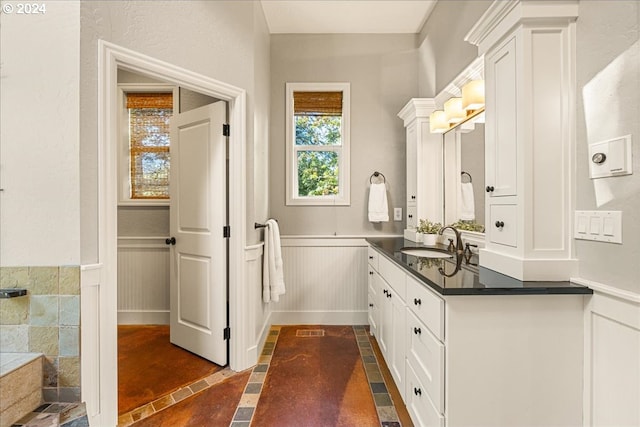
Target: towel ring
{"type": "Point", "coordinates": [463, 173]}
{"type": "Point", "coordinates": [377, 174]}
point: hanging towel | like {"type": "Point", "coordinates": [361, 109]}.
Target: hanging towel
{"type": "Point", "coordinates": [272, 273]}
{"type": "Point", "coordinates": [378, 208]}
{"type": "Point", "coordinates": [466, 202]}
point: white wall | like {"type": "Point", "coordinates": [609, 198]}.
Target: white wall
{"type": "Point", "coordinates": [608, 89]}
{"type": "Point", "coordinates": [382, 70]}
{"type": "Point", "coordinates": [443, 51]}
{"type": "Point", "coordinates": [39, 164]}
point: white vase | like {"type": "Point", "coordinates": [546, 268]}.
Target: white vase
{"type": "Point", "coordinates": [429, 239]}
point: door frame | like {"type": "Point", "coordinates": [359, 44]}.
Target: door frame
{"type": "Point", "coordinates": [100, 353]}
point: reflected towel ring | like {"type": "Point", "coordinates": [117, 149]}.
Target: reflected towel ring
{"type": "Point", "coordinates": [463, 173]}
{"type": "Point", "coordinates": [377, 174]}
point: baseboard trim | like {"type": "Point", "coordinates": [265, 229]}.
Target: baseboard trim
{"type": "Point", "coordinates": [319, 318]}
{"type": "Point", "coordinates": [143, 317]}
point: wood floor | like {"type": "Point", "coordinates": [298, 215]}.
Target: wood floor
{"type": "Point", "coordinates": [302, 379]}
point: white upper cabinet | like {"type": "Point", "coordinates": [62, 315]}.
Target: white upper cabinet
{"type": "Point", "coordinates": [500, 131]}
{"type": "Point", "coordinates": [424, 165]}
{"type": "Point", "coordinates": [529, 52]}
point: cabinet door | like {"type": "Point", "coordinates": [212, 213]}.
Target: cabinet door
{"type": "Point", "coordinates": [412, 217]}
{"type": "Point", "coordinates": [412, 165]}
{"type": "Point", "coordinates": [397, 340]}
{"type": "Point", "coordinates": [374, 301]}
{"type": "Point", "coordinates": [385, 330]}
{"type": "Point", "coordinates": [501, 129]}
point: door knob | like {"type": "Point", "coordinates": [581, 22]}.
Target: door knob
{"type": "Point", "coordinates": [170, 241]}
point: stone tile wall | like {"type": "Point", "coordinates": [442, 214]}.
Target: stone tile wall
{"type": "Point", "coordinates": [46, 320]}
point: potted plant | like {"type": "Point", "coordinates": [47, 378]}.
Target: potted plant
{"type": "Point", "coordinates": [429, 231]}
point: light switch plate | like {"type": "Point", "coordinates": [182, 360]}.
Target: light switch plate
{"type": "Point", "coordinates": [397, 214]}
{"type": "Point", "coordinates": [601, 226]}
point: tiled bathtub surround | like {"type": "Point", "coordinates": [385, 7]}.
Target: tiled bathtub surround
{"type": "Point", "coordinates": [47, 321]}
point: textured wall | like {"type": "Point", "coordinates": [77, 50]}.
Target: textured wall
{"type": "Point", "coordinates": [382, 70]}
{"type": "Point", "coordinates": [608, 89]}
{"type": "Point", "coordinates": [39, 165]}
{"type": "Point", "coordinates": [443, 51]}
{"type": "Point", "coordinates": [213, 38]}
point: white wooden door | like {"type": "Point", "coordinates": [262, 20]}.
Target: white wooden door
{"type": "Point", "coordinates": [198, 285]}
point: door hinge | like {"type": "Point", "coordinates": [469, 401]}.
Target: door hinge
{"type": "Point", "coordinates": [226, 231]}
{"type": "Point", "coordinates": [226, 130]}
{"type": "Point", "coordinates": [227, 333]}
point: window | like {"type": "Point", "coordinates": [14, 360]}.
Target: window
{"type": "Point", "coordinates": [317, 144]}
{"type": "Point", "coordinates": [144, 171]}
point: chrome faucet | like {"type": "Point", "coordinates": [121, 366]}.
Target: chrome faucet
{"type": "Point", "coordinates": [458, 247]}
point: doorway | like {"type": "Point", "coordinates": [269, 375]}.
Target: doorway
{"type": "Point", "coordinates": [99, 280]}
{"type": "Point", "coordinates": [169, 333]}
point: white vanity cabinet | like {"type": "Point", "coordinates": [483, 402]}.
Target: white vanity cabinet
{"type": "Point", "coordinates": [480, 359]}
{"type": "Point", "coordinates": [529, 64]}
{"type": "Point", "coordinates": [424, 165]}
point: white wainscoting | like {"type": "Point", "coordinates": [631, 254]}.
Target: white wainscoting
{"type": "Point", "coordinates": [143, 281]}
{"type": "Point", "coordinates": [326, 282]}
{"type": "Point", "coordinates": [612, 357]}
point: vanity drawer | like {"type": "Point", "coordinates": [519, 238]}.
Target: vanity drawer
{"type": "Point", "coordinates": [426, 355]}
{"type": "Point", "coordinates": [372, 257]}
{"type": "Point", "coordinates": [427, 306]}
{"type": "Point", "coordinates": [393, 275]}
{"type": "Point", "coordinates": [503, 224]}
{"type": "Point", "coordinates": [419, 405]}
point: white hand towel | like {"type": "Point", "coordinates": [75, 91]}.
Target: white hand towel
{"type": "Point", "coordinates": [378, 207]}
{"type": "Point", "coordinates": [466, 202]}
{"type": "Point", "coordinates": [272, 273]}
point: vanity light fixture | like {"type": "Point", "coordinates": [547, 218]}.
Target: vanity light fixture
{"type": "Point", "coordinates": [453, 111]}
{"type": "Point", "coordinates": [473, 95]}
{"type": "Point", "coordinates": [438, 122]}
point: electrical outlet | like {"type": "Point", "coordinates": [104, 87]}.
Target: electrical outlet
{"type": "Point", "coordinates": [397, 214]}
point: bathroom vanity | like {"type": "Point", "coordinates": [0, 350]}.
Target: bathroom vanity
{"type": "Point", "coordinates": [470, 346]}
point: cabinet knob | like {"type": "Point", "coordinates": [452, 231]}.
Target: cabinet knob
{"type": "Point", "coordinates": [417, 301]}
{"type": "Point", "coordinates": [170, 241]}
{"type": "Point", "coordinates": [388, 294]}
{"type": "Point", "coordinates": [410, 216]}
{"type": "Point", "coordinates": [489, 189]}
{"type": "Point", "coordinates": [384, 291]}
{"type": "Point", "coordinates": [370, 257]}
{"type": "Point", "coordinates": [417, 331]}
{"type": "Point", "coordinates": [370, 305]}
{"type": "Point", "coordinates": [499, 224]}
{"type": "Point", "coordinates": [417, 391]}
{"type": "Point", "coordinates": [371, 273]}
{"type": "Point", "coordinates": [413, 197]}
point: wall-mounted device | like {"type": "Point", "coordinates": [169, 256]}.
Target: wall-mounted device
{"type": "Point", "coordinates": [610, 158]}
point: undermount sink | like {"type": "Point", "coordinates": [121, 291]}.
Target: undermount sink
{"type": "Point", "coordinates": [426, 252]}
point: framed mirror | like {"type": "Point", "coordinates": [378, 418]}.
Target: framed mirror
{"type": "Point", "coordinates": [463, 165]}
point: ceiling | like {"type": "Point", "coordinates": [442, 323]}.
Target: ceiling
{"type": "Point", "coordinates": [346, 16]}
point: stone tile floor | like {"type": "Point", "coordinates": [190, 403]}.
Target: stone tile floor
{"type": "Point", "coordinates": [56, 415]}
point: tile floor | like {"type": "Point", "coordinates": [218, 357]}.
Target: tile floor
{"type": "Point", "coordinates": [348, 386]}
{"type": "Point", "coordinates": [55, 415]}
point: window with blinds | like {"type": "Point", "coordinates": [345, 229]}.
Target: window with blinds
{"type": "Point", "coordinates": [149, 141]}
{"type": "Point", "coordinates": [318, 143]}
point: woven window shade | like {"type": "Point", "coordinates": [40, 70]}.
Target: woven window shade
{"type": "Point", "coordinates": [150, 100]}
{"type": "Point", "coordinates": [317, 103]}
{"type": "Point", "coordinates": [149, 119]}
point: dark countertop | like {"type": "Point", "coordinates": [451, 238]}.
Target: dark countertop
{"type": "Point", "coordinates": [453, 276]}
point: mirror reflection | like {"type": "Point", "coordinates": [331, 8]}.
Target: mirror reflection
{"type": "Point", "coordinates": [464, 175]}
